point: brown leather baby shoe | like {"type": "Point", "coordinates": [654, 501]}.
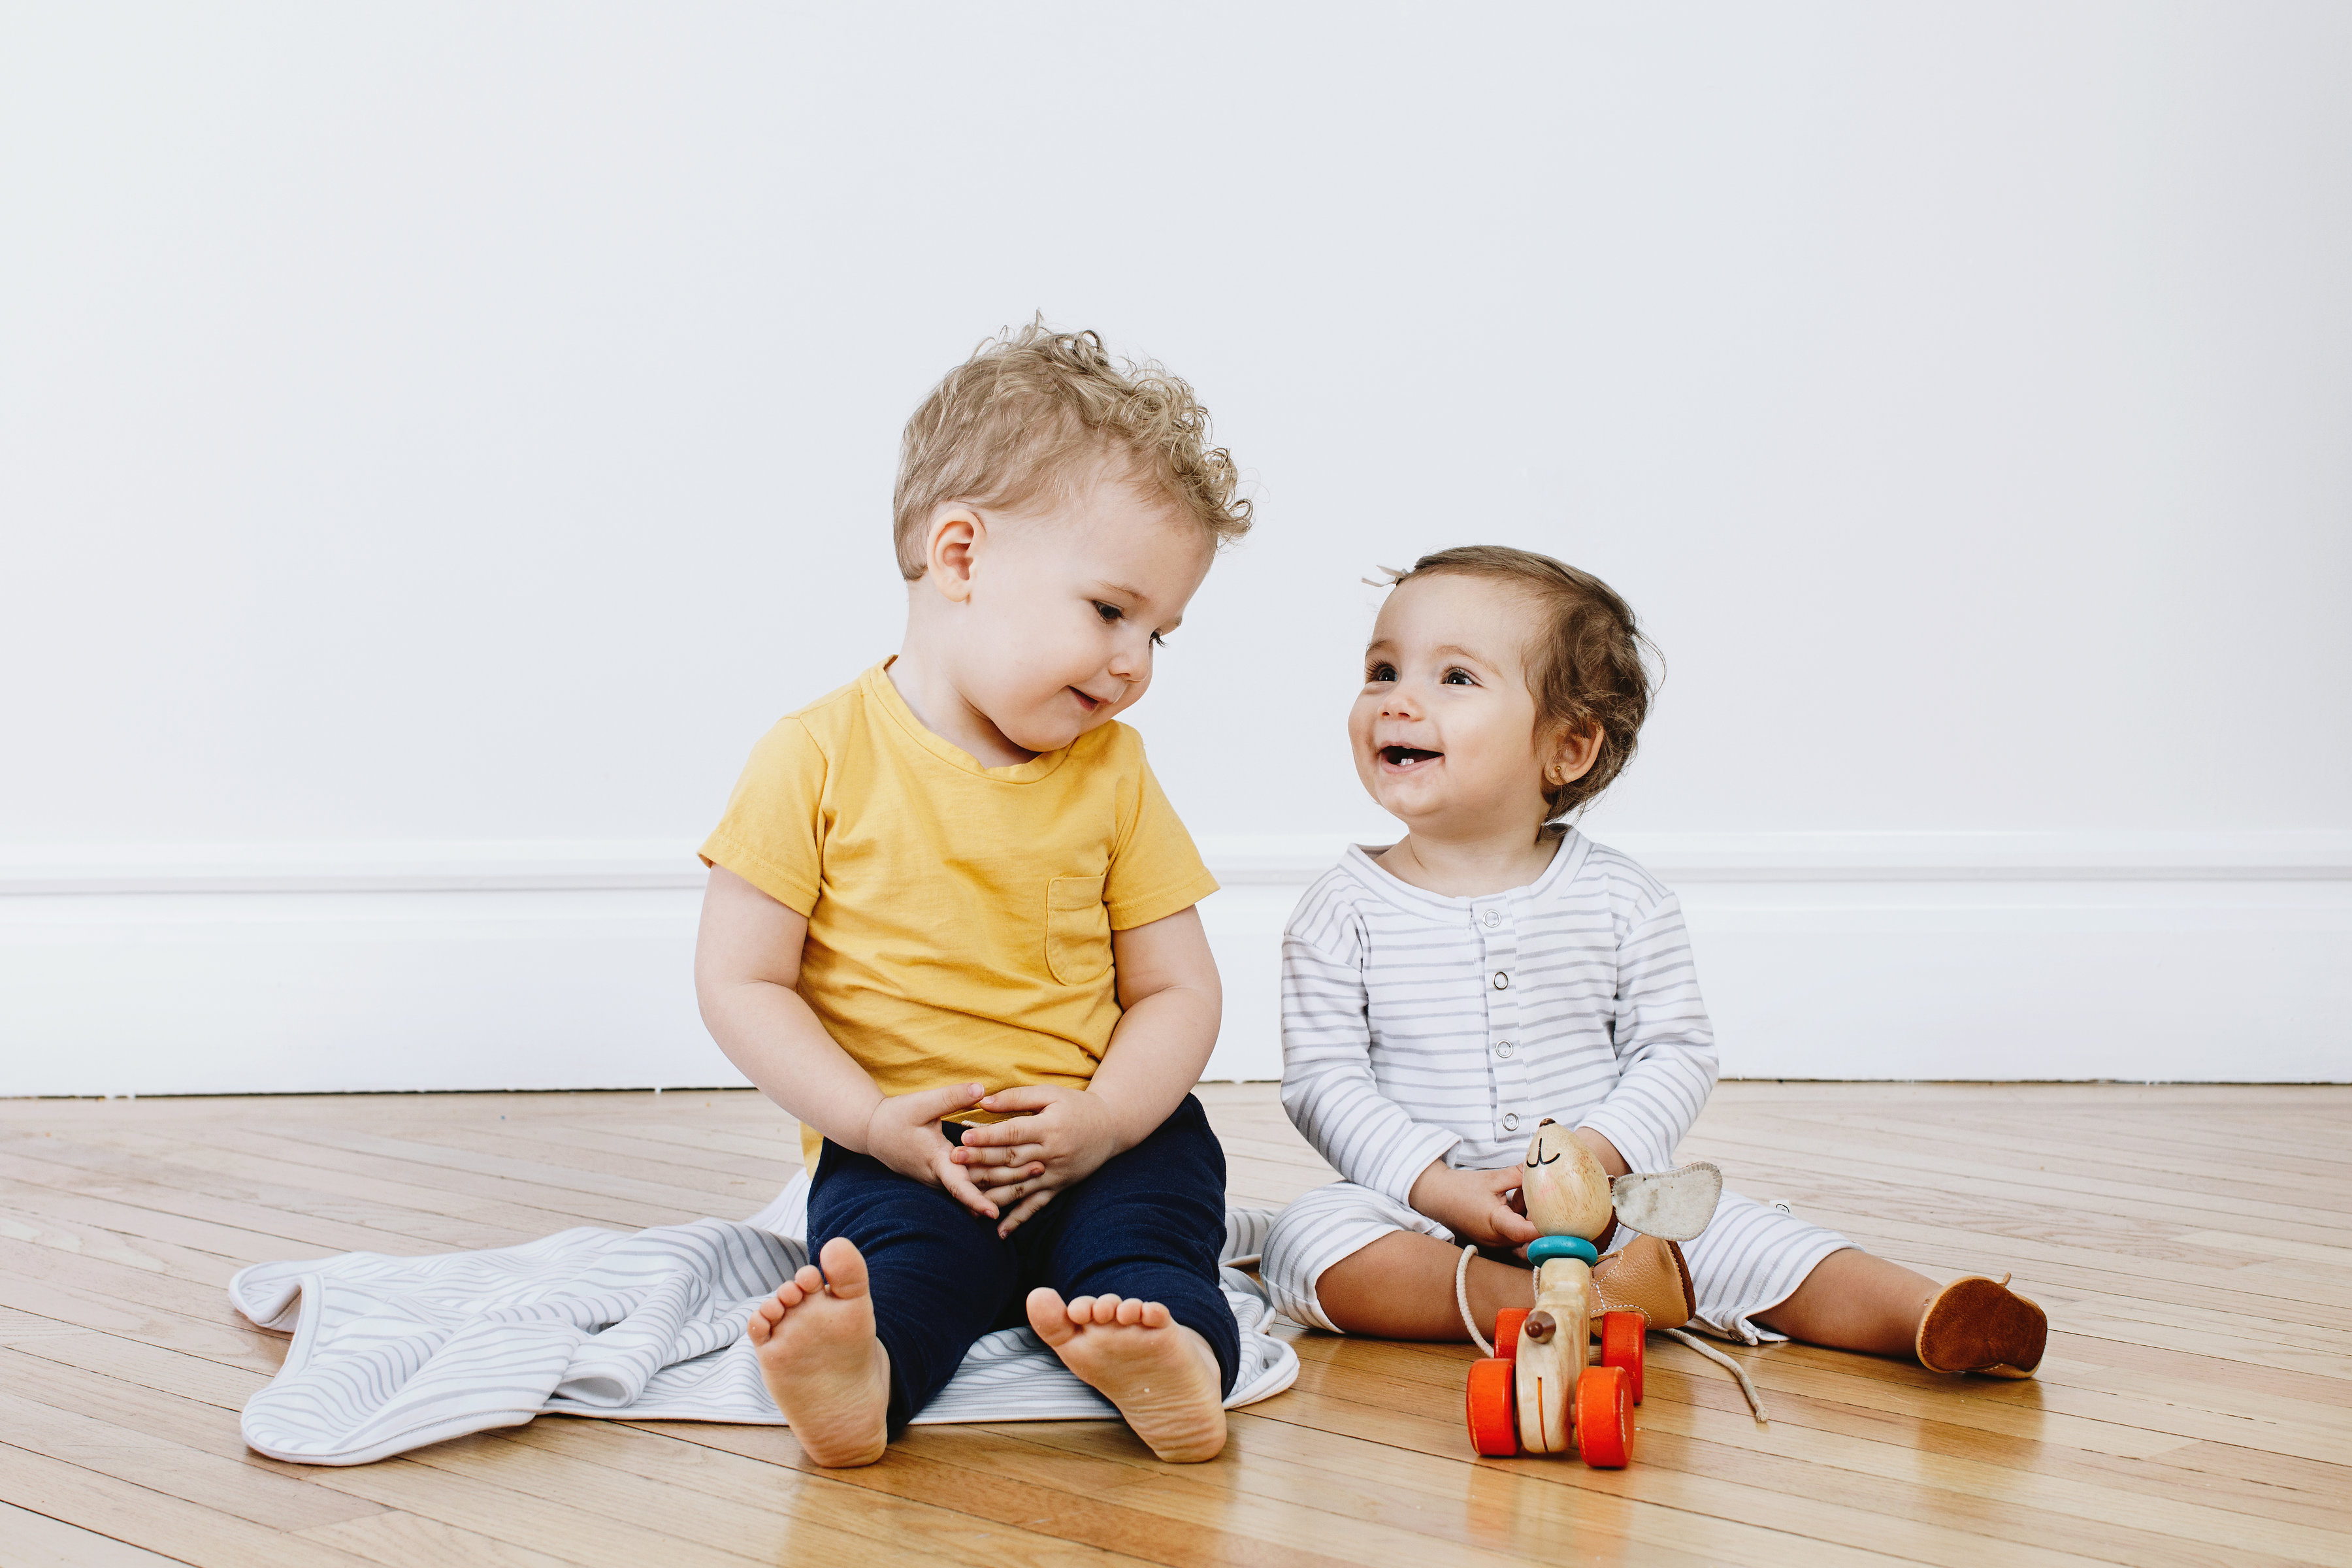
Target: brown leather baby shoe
{"type": "Point", "coordinates": [1976, 1324]}
{"type": "Point", "coordinates": [1647, 1276]}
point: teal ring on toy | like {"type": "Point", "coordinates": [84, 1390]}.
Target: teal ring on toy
{"type": "Point", "coordinates": [1544, 1249]}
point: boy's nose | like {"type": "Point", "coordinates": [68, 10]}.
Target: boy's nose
{"type": "Point", "coordinates": [1128, 663]}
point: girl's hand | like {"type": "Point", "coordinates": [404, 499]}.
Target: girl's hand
{"type": "Point", "coordinates": [903, 1132]}
{"type": "Point", "coordinates": [1054, 1137]}
{"type": "Point", "coordinates": [1475, 1205]}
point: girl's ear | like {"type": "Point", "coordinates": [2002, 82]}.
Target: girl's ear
{"type": "Point", "coordinates": [1574, 752]}
{"type": "Point", "coordinates": [952, 548]}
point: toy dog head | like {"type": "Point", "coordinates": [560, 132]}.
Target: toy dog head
{"type": "Point", "coordinates": [1568, 1194]}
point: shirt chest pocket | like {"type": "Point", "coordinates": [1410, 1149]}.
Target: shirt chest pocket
{"type": "Point", "coordinates": [1078, 930]}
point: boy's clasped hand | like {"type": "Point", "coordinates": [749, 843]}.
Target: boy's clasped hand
{"type": "Point", "coordinates": [1051, 1138]}
{"type": "Point", "coordinates": [904, 1133]}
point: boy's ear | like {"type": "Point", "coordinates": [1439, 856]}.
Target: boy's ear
{"type": "Point", "coordinates": [952, 545]}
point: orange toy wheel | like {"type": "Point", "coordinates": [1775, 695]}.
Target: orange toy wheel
{"type": "Point", "coordinates": [1507, 1331]}
{"type": "Point", "coordinates": [1604, 1418]}
{"type": "Point", "coordinates": [1494, 1424]}
{"type": "Point", "coordinates": [1623, 1336]}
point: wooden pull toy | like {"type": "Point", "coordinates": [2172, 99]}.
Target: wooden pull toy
{"type": "Point", "coordinates": [1541, 1391]}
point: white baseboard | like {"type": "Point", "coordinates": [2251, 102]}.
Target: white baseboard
{"type": "Point", "coordinates": [243, 969]}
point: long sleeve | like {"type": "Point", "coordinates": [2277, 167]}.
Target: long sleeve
{"type": "Point", "coordinates": [1666, 1047]}
{"type": "Point", "coordinates": [1327, 1067]}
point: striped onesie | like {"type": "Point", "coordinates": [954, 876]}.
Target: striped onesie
{"type": "Point", "coordinates": [1418, 1027]}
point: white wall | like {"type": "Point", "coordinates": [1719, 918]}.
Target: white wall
{"type": "Point", "coordinates": [438, 440]}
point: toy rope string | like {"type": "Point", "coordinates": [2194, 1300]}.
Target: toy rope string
{"type": "Point", "coordinates": [1462, 1300]}
{"type": "Point", "coordinates": [1755, 1403]}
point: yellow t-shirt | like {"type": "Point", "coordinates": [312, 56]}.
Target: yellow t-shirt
{"type": "Point", "coordinates": [960, 916]}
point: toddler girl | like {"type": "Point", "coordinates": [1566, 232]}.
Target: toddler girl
{"type": "Point", "coordinates": [1494, 969]}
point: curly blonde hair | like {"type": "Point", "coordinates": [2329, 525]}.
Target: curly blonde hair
{"type": "Point", "coordinates": [1589, 667]}
{"type": "Point", "coordinates": [1032, 407]}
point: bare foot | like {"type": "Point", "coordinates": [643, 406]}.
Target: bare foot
{"type": "Point", "coordinates": [1163, 1376]}
{"type": "Point", "coordinates": [828, 1373]}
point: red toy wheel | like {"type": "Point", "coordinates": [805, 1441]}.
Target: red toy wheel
{"type": "Point", "coordinates": [1507, 1331]}
{"type": "Point", "coordinates": [1623, 1336]}
{"type": "Point", "coordinates": [1494, 1423]}
{"type": "Point", "coordinates": [1604, 1418]}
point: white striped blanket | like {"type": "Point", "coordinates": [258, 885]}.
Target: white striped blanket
{"type": "Point", "coordinates": [392, 1353]}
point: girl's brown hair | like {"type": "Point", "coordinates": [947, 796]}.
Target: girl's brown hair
{"type": "Point", "coordinates": [1588, 667]}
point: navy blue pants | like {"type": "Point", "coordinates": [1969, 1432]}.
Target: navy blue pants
{"type": "Point", "coordinates": [1148, 1223]}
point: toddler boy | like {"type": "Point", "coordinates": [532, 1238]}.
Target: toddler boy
{"type": "Point", "coordinates": [949, 926]}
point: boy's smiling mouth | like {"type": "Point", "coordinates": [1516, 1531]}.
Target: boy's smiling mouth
{"type": "Point", "coordinates": [1405, 759]}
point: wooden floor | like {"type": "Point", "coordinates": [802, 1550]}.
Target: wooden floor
{"type": "Point", "coordinates": [2194, 1247]}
